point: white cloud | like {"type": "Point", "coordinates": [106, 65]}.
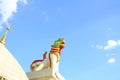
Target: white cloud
{"type": "Point", "coordinates": [111, 44]}
{"type": "Point", "coordinates": [7, 8]}
{"type": "Point", "coordinates": [111, 60]}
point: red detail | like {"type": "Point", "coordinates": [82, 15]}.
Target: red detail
{"type": "Point", "coordinates": [35, 61]}
{"type": "Point", "coordinates": [61, 47]}
{"type": "Point", "coordinates": [55, 50]}
{"type": "Point", "coordinates": [44, 57]}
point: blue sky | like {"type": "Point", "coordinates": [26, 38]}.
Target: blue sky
{"type": "Point", "coordinates": [90, 28]}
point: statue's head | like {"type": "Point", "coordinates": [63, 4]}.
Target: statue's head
{"type": "Point", "coordinates": [60, 42]}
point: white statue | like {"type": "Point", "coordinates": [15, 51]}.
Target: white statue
{"type": "Point", "coordinates": [52, 61]}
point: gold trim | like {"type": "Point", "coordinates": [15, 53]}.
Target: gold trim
{"type": "Point", "coordinates": [2, 40]}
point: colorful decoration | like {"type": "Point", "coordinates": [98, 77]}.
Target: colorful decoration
{"type": "Point", "coordinates": [52, 61]}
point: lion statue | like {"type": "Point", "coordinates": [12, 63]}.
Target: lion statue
{"type": "Point", "coordinates": [52, 61]}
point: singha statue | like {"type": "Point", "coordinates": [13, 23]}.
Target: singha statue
{"type": "Point", "coordinates": [51, 62]}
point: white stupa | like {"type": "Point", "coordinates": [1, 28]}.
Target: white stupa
{"type": "Point", "coordinates": [10, 69]}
